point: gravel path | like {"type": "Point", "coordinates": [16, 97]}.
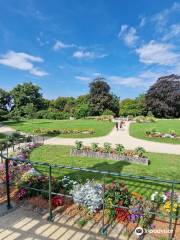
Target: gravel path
{"type": "Point", "coordinates": [6, 130]}
{"type": "Point", "coordinates": [115, 137]}
{"type": "Point", "coordinates": [121, 136]}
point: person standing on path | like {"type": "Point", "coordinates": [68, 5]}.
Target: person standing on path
{"type": "Point", "coordinates": [117, 126]}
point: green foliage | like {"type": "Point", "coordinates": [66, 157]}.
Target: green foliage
{"type": "Point", "coordinates": [107, 147]}
{"type": "Point", "coordinates": [3, 115]}
{"type": "Point", "coordinates": [27, 99]}
{"type": "Point", "coordinates": [101, 99]}
{"type": "Point", "coordinates": [94, 147]}
{"type": "Point", "coordinates": [140, 151]}
{"type": "Point", "coordinates": [108, 112]}
{"type": "Point", "coordinates": [134, 107]}
{"type": "Point", "coordinates": [52, 114]}
{"type": "Point", "coordinates": [78, 145]}
{"type": "Point", "coordinates": [81, 111]}
{"type": "Point", "coordinates": [119, 149]}
{"type": "Point", "coordinates": [5, 100]}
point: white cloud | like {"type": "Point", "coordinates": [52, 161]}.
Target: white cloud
{"type": "Point", "coordinates": [60, 45]}
{"type": "Point", "coordinates": [22, 61]}
{"type": "Point", "coordinates": [173, 32]}
{"type": "Point", "coordinates": [161, 18]}
{"type": "Point", "coordinates": [96, 74]}
{"type": "Point", "coordinates": [142, 21]}
{"type": "Point", "coordinates": [82, 54]}
{"type": "Point", "coordinates": [158, 53]}
{"type": "Point", "coordinates": [83, 78]}
{"type": "Point", "coordinates": [143, 79]}
{"type": "Point", "coordinates": [128, 35]}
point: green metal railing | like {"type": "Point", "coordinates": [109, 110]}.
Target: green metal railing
{"type": "Point", "coordinates": [172, 184]}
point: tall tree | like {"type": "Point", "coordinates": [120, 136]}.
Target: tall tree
{"type": "Point", "coordinates": [5, 102]}
{"type": "Point", "coordinates": [101, 99]}
{"type": "Point", "coordinates": [24, 95]}
{"type": "Point", "coordinates": [163, 98]}
{"type": "Point", "coordinates": [5, 99]}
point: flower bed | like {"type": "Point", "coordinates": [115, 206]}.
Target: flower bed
{"type": "Point", "coordinates": [153, 133]}
{"type": "Point", "coordinates": [119, 153]}
{"type": "Point", "coordinates": [121, 206]}
{"type": "Point", "coordinates": [44, 131]}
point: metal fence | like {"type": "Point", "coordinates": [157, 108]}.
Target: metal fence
{"type": "Point", "coordinates": [172, 185]}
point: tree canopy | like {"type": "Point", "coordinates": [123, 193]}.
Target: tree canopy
{"type": "Point", "coordinates": [163, 97]}
{"type": "Point", "coordinates": [100, 98]}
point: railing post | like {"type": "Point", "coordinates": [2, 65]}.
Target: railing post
{"type": "Point", "coordinates": [171, 213]}
{"type": "Point", "coordinates": [50, 217]}
{"type": "Point", "coordinates": [7, 150]}
{"type": "Point", "coordinates": [7, 184]}
{"type": "Point", "coordinates": [103, 229]}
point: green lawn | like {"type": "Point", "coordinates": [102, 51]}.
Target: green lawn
{"type": "Point", "coordinates": [2, 136]}
{"type": "Point", "coordinates": [138, 130]}
{"type": "Point", "coordinates": [101, 128]}
{"type": "Point", "coordinates": [162, 166]}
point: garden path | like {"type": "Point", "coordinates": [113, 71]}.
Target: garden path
{"type": "Point", "coordinates": [115, 137]}
{"type": "Point", "coordinates": [120, 137]}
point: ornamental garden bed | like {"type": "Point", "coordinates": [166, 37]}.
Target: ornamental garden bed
{"type": "Point", "coordinates": [153, 133]}
{"type": "Point", "coordinates": [107, 152]}
{"type": "Point", "coordinates": [52, 132]}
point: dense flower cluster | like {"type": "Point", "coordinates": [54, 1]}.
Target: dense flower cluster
{"type": "Point", "coordinates": [88, 195]}
{"type": "Point", "coordinates": [57, 201]}
{"type": "Point", "coordinates": [21, 194]}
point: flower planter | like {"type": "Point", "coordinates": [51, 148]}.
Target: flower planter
{"type": "Point", "coordinates": [111, 156]}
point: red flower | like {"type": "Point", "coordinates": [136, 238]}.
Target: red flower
{"type": "Point", "coordinates": [57, 201]}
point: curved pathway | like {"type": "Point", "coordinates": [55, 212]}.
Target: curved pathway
{"type": "Point", "coordinates": [115, 137]}
{"type": "Point", "coordinates": [121, 136]}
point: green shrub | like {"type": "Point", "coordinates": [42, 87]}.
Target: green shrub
{"type": "Point", "coordinates": [140, 151]}
{"type": "Point", "coordinates": [78, 145]}
{"type": "Point", "coordinates": [108, 112]}
{"type": "Point", "coordinates": [119, 149]}
{"type": "Point", "coordinates": [94, 147]}
{"type": "Point", "coordinates": [55, 115]}
{"type": "Point", "coordinates": [107, 147]}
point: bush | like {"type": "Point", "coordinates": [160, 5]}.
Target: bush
{"type": "Point", "coordinates": [3, 115]}
{"type": "Point", "coordinates": [81, 111]}
{"type": "Point", "coordinates": [119, 149]}
{"type": "Point", "coordinates": [140, 151]}
{"type": "Point", "coordinates": [94, 147]}
{"type": "Point", "coordinates": [48, 114]}
{"type": "Point", "coordinates": [107, 147]}
{"type": "Point", "coordinates": [143, 119]}
{"type": "Point", "coordinates": [108, 112]}
{"type": "Point", "coordinates": [78, 145]}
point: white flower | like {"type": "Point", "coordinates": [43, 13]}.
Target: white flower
{"type": "Point", "coordinates": [164, 197]}
{"type": "Point", "coordinates": [153, 196]}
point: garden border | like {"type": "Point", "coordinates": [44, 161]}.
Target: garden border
{"type": "Point", "coordinates": [111, 156]}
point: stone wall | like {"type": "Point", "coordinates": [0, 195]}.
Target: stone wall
{"type": "Point", "coordinates": [111, 156]}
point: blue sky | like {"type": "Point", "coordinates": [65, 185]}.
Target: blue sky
{"type": "Point", "coordinates": [62, 45]}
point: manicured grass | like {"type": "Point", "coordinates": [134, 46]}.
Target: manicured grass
{"type": "Point", "coordinates": [101, 128]}
{"type": "Point", "coordinates": [2, 136]}
{"type": "Point", "coordinates": [162, 166]}
{"type": "Point", "coordinates": [138, 130]}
